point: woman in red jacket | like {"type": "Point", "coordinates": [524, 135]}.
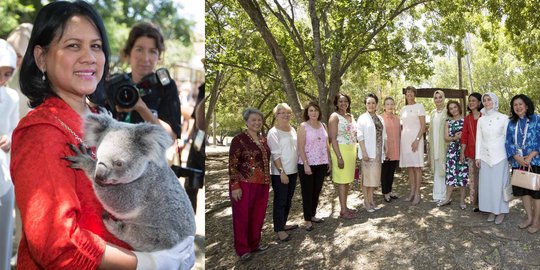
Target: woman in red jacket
{"type": "Point", "coordinates": [66, 61]}
{"type": "Point", "coordinates": [468, 143]}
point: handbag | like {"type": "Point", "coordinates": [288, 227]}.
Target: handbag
{"type": "Point", "coordinates": [526, 179]}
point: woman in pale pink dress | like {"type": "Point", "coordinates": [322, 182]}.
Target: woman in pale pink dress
{"type": "Point", "coordinates": [413, 120]}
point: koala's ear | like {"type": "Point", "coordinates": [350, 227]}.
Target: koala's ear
{"type": "Point", "coordinates": [155, 140]}
{"type": "Point", "coordinates": [95, 128]}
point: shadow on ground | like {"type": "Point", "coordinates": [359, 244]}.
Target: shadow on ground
{"type": "Point", "coordinates": [398, 236]}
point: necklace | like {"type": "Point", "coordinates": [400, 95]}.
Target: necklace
{"type": "Point", "coordinates": [75, 135]}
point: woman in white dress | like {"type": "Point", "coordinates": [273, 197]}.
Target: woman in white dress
{"type": "Point", "coordinates": [411, 156]}
{"type": "Point", "coordinates": [491, 159]}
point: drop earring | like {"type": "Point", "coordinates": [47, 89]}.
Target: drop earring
{"type": "Point", "coordinates": [43, 78]}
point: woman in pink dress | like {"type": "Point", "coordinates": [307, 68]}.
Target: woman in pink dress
{"type": "Point", "coordinates": [413, 120]}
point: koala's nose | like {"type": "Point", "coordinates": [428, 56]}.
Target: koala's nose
{"type": "Point", "coordinates": [101, 172]}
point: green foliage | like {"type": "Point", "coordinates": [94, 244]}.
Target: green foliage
{"type": "Point", "coordinates": [118, 17]}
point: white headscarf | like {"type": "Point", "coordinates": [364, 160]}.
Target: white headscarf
{"type": "Point", "coordinates": [8, 57]}
{"type": "Point", "coordinates": [495, 100]}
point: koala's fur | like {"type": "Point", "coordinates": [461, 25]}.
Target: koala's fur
{"type": "Point", "coordinates": [134, 184]}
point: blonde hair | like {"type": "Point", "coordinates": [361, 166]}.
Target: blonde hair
{"type": "Point", "coordinates": [19, 37]}
{"type": "Point", "coordinates": [281, 106]}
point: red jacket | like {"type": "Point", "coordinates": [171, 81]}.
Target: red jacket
{"type": "Point", "coordinates": [468, 135]}
{"type": "Point", "coordinates": [61, 216]}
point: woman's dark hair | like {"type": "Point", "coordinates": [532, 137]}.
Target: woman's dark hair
{"type": "Point", "coordinates": [315, 105]}
{"type": "Point", "coordinates": [49, 27]}
{"type": "Point", "coordinates": [143, 29]}
{"type": "Point", "coordinates": [448, 108]}
{"type": "Point", "coordinates": [388, 98]}
{"type": "Point", "coordinates": [528, 102]}
{"type": "Point", "coordinates": [371, 95]}
{"type": "Point", "coordinates": [336, 101]}
{"type": "Point", "coordinates": [478, 97]}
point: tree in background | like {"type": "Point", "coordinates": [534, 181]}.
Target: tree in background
{"type": "Point", "coordinates": [118, 16]}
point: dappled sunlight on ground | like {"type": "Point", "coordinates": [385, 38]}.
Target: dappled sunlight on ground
{"type": "Point", "coordinates": [397, 236]}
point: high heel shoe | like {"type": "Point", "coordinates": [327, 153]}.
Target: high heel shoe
{"type": "Point", "coordinates": [443, 203]}
{"type": "Point", "coordinates": [416, 200]}
{"type": "Point", "coordinates": [387, 198]}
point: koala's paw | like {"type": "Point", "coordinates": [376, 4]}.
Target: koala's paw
{"type": "Point", "coordinates": [116, 227]}
{"type": "Point", "coordinates": [82, 160]}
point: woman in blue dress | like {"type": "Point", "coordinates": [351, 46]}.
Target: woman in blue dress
{"type": "Point", "coordinates": [522, 147]}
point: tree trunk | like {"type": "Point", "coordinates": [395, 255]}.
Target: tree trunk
{"type": "Point", "coordinates": [254, 12]}
{"type": "Point", "coordinates": [460, 75]}
{"type": "Point", "coordinates": [214, 96]}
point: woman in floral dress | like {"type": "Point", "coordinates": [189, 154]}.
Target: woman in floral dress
{"type": "Point", "coordinates": [457, 172]}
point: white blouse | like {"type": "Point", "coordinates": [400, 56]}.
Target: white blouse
{"type": "Point", "coordinates": [490, 137]}
{"type": "Point", "coordinates": [283, 146]}
{"type": "Point", "coordinates": [366, 132]}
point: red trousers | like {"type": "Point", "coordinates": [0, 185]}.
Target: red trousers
{"type": "Point", "coordinates": [248, 216]}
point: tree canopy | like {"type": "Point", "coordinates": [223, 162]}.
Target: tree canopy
{"type": "Point", "coordinates": [311, 50]}
{"type": "Point", "coordinates": [118, 16]}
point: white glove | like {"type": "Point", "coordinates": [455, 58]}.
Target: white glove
{"type": "Point", "coordinates": [181, 257]}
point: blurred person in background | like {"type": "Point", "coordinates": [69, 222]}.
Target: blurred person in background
{"type": "Point", "coordinates": [9, 113]}
{"type": "Point", "coordinates": [18, 38]}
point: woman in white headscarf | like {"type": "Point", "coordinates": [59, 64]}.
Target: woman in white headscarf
{"type": "Point", "coordinates": [9, 111]}
{"type": "Point", "coordinates": [491, 159]}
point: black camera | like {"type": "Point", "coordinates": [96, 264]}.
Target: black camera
{"type": "Point", "coordinates": [122, 91]}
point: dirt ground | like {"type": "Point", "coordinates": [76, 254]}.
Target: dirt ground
{"type": "Point", "coordinates": [398, 236]}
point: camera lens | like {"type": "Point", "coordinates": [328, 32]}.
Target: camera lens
{"type": "Point", "coordinates": [126, 96]}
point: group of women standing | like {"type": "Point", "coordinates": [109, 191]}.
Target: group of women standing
{"type": "Point", "coordinates": [255, 162]}
{"type": "Point", "coordinates": [474, 150]}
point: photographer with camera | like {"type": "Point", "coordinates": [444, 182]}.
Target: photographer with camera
{"type": "Point", "coordinates": [145, 95]}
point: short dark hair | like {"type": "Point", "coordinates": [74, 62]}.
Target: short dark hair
{"type": "Point", "coordinates": [478, 97]}
{"type": "Point", "coordinates": [336, 98]}
{"type": "Point", "coordinates": [448, 108]}
{"type": "Point", "coordinates": [49, 25]}
{"type": "Point", "coordinates": [315, 105]}
{"type": "Point", "coordinates": [143, 29]}
{"type": "Point", "coordinates": [412, 89]}
{"type": "Point", "coordinates": [371, 95]}
{"type": "Point", "coordinates": [527, 101]}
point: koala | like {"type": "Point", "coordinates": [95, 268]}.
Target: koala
{"type": "Point", "coordinates": [149, 207]}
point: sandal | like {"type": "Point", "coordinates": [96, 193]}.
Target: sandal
{"type": "Point", "coordinates": [533, 230]}
{"type": "Point", "coordinates": [245, 257]}
{"type": "Point", "coordinates": [290, 227]}
{"type": "Point", "coordinates": [443, 203]}
{"type": "Point", "coordinates": [317, 220]}
{"type": "Point", "coordinates": [287, 238]}
{"type": "Point", "coordinates": [347, 215]}
{"type": "Point", "coordinates": [525, 224]}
